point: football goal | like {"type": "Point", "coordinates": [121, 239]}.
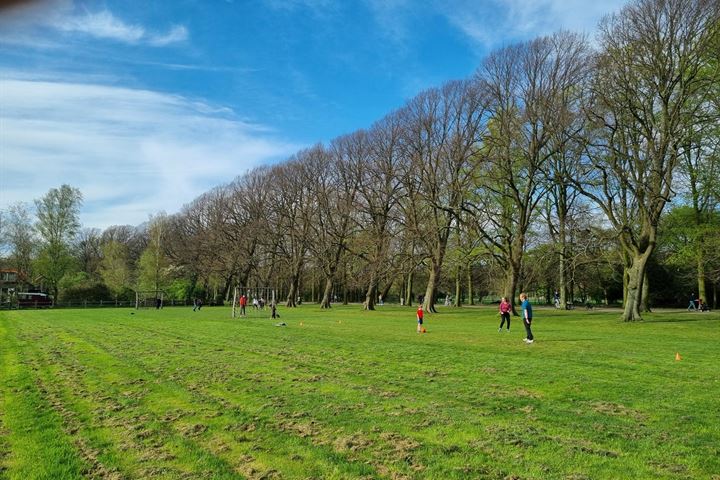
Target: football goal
{"type": "Point", "coordinates": [149, 299]}
{"type": "Point", "coordinates": [257, 301]}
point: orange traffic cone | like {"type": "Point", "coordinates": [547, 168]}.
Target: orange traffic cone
{"type": "Point", "coordinates": [677, 356]}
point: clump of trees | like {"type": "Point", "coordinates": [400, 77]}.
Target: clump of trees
{"type": "Point", "coordinates": [557, 166]}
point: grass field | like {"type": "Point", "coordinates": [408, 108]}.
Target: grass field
{"type": "Point", "coordinates": [349, 394]}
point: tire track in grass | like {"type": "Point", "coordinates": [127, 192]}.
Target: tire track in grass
{"type": "Point", "coordinates": [142, 436]}
{"type": "Point", "coordinates": [393, 448]}
{"type": "Point", "coordinates": [38, 447]}
{"type": "Point", "coordinates": [189, 427]}
{"type": "Point", "coordinates": [280, 430]}
{"type": "Point", "coordinates": [388, 445]}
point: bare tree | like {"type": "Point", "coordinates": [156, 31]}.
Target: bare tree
{"type": "Point", "coordinates": [375, 157]}
{"type": "Point", "coordinates": [88, 246]}
{"type": "Point", "coordinates": [335, 189]}
{"type": "Point", "coordinates": [20, 238]}
{"type": "Point", "coordinates": [442, 127]}
{"type": "Point", "coordinates": [293, 210]}
{"type": "Point", "coordinates": [533, 90]}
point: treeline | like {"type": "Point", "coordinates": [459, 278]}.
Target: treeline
{"type": "Point", "coordinates": [551, 168]}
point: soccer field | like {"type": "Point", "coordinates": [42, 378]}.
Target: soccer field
{"type": "Point", "coordinates": [345, 394]}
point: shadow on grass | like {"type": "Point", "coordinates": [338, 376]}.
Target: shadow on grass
{"type": "Point", "coordinates": [676, 320]}
{"type": "Point", "coordinates": [568, 340]}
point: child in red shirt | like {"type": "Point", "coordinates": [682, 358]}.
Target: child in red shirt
{"type": "Point", "coordinates": [420, 314]}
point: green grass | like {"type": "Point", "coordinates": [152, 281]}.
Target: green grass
{"type": "Point", "coordinates": [349, 394]}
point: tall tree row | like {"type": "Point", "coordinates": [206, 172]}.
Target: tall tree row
{"type": "Point", "coordinates": [552, 167]}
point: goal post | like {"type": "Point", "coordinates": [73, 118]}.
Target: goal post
{"type": "Point", "coordinates": [257, 300]}
{"type": "Point", "coordinates": [149, 299]}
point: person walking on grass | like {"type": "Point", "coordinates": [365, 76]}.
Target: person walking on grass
{"type": "Point", "coordinates": [505, 308]}
{"type": "Point", "coordinates": [420, 314]}
{"type": "Point", "coordinates": [527, 317]}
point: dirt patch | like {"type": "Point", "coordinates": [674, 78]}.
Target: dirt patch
{"type": "Point", "coordinates": [193, 430]}
{"type": "Point", "coordinates": [352, 443]}
{"type": "Point", "coordinates": [303, 430]}
{"type": "Point", "coordinates": [618, 410]}
{"type": "Point", "coordinates": [586, 447]}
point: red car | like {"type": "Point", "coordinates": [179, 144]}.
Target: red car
{"type": "Point", "coordinates": [34, 300]}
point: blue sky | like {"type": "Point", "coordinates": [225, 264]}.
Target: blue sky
{"type": "Point", "coordinates": [146, 105]}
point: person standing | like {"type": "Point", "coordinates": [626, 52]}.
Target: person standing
{"type": "Point", "coordinates": [505, 308]}
{"type": "Point", "coordinates": [420, 315]}
{"type": "Point", "coordinates": [243, 303]}
{"type": "Point", "coordinates": [527, 317]}
{"type": "Point", "coordinates": [691, 305]}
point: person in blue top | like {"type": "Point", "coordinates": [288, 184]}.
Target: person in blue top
{"type": "Point", "coordinates": [527, 317]}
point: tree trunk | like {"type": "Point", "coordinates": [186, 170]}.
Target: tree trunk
{"type": "Point", "coordinates": [645, 299]}
{"type": "Point", "coordinates": [370, 295]}
{"type": "Point", "coordinates": [701, 278]}
{"type": "Point", "coordinates": [563, 276]}
{"type": "Point", "coordinates": [635, 276]}
{"type": "Point", "coordinates": [325, 302]}
{"type": "Point", "coordinates": [471, 300]}
{"type": "Point", "coordinates": [386, 290]}
{"type": "Point", "coordinates": [458, 289]}
{"type": "Point", "coordinates": [409, 289]}
{"type": "Point", "coordinates": [511, 281]}
{"type": "Point", "coordinates": [429, 300]}
{"type": "Point", "coordinates": [294, 290]}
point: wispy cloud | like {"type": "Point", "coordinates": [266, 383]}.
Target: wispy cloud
{"type": "Point", "coordinates": [62, 16]}
{"type": "Point", "coordinates": [101, 25]}
{"type": "Point", "coordinates": [488, 24]}
{"type": "Point", "coordinates": [131, 152]}
{"type": "Point", "coordinates": [177, 34]}
{"type": "Point", "coordinates": [505, 20]}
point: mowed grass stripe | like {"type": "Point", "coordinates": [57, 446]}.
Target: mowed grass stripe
{"type": "Point", "coordinates": [181, 402]}
{"type": "Point", "coordinates": [38, 446]}
{"type": "Point", "coordinates": [351, 394]}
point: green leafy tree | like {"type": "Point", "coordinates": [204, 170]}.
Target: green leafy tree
{"type": "Point", "coordinates": [153, 266]}
{"type": "Point", "coordinates": [650, 87]}
{"type": "Point", "coordinates": [58, 222]}
{"type": "Point", "coordinates": [114, 269]}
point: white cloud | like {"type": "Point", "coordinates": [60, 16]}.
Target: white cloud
{"type": "Point", "coordinates": [522, 19]}
{"type": "Point", "coordinates": [491, 23]}
{"type": "Point", "coordinates": [22, 25]}
{"type": "Point", "coordinates": [101, 25]}
{"type": "Point", "coordinates": [176, 34]}
{"type": "Point", "coordinates": [131, 152]}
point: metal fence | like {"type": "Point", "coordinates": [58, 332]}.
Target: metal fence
{"type": "Point", "coordinates": [92, 304]}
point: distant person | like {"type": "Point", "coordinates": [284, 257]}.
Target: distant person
{"type": "Point", "coordinates": [243, 303]}
{"type": "Point", "coordinates": [527, 317]}
{"type": "Point", "coordinates": [199, 303]}
{"type": "Point", "coordinates": [557, 299]}
{"type": "Point", "coordinates": [255, 303]}
{"type": "Point", "coordinates": [505, 309]}
{"type": "Point", "coordinates": [691, 305]}
{"type": "Point", "coordinates": [158, 303]}
{"type": "Point", "coordinates": [273, 310]}
{"type": "Point", "coordinates": [194, 304]}
{"type": "Point", "coordinates": [703, 306]}
{"type": "Point", "coordinates": [420, 315]}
